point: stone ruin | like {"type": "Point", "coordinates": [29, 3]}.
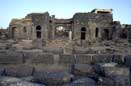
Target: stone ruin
{"type": "Point", "coordinates": [89, 49]}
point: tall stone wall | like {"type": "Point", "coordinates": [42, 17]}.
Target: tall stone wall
{"type": "Point", "coordinates": [91, 21]}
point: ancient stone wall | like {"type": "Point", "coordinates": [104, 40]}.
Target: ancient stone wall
{"type": "Point", "coordinates": [53, 67]}
{"type": "Point", "coordinates": [29, 56]}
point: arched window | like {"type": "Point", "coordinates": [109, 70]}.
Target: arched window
{"type": "Point", "coordinates": [38, 31]}
{"type": "Point", "coordinates": [83, 33]}
{"type": "Point", "coordinates": [38, 28]}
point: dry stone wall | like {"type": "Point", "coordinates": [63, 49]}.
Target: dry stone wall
{"type": "Point", "coordinates": [100, 68]}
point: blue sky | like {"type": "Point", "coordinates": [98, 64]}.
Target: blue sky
{"type": "Point", "coordinates": [61, 8]}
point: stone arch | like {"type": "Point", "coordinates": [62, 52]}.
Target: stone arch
{"type": "Point", "coordinates": [38, 31]}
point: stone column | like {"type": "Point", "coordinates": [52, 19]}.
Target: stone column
{"type": "Point", "coordinates": [70, 35]}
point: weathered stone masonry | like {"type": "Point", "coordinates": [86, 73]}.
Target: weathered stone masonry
{"type": "Point", "coordinates": [95, 25]}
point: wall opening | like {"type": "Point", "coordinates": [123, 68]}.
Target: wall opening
{"type": "Point", "coordinates": [38, 31]}
{"type": "Point", "coordinates": [106, 34]}
{"type": "Point", "coordinates": [13, 32]}
{"type": "Point", "coordinates": [24, 30]}
{"type": "Point", "coordinates": [83, 33]}
{"type": "Point", "coordinates": [97, 31]}
{"type": "Point", "coordinates": [61, 32]}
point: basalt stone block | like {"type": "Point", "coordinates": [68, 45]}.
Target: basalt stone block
{"type": "Point", "coordinates": [104, 81]}
{"type": "Point", "coordinates": [53, 50]}
{"type": "Point", "coordinates": [82, 82]}
{"type": "Point", "coordinates": [30, 51]}
{"type": "Point", "coordinates": [28, 54]}
{"type": "Point", "coordinates": [118, 59]}
{"type": "Point", "coordinates": [51, 78]}
{"type": "Point", "coordinates": [3, 46]}
{"type": "Point", "coordinates": [3, 51]}
{"type": "Point", "coordinates": [2, 68]}
{"type": "Point", "coordinates": [127, 61]}
{"type": "Point", "coordinates": [103, 58]}
{"type": "Point", "coordinates": [66, 59]}
{"type": "Point", "coordinates": [11, 58]}
{"type": "Point", "coordinates": [19, 71]}
{"type": "Point", "coordinates": [83, 70]}
{"type": "Point", "coordinates": [111, 64]}
{"type": "Point", "coordinates": [44, 58]}
{"type": "Point", "coordinates": [11, 81]}
{"type": "Point", "coordinates": [80, 51]}
{"type": "Point", "coordinates": [121, 76]}
{"type": "Point", "coordinates": [83, 58]}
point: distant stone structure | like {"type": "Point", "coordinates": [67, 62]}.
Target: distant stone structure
{"type": "Point", "coordinates": [96, 25]}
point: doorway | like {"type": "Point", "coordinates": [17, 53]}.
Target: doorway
{"type": "Point", "coordinates": [13, 32]}
{"type": "Point", "coordinates": [106, 34]}
{"type": "Point", "coordinates": [83, 33]}
{"type": "Point", "coordinates": [38, 31]}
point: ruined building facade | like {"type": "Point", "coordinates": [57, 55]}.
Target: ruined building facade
{"type": "Point", "coordinates": [92, 26]}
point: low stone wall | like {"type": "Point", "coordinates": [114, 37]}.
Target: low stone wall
{"type": "Point", "coordinates": [38, 56]}
{"type": "Point", "coordinates": [24, 63]}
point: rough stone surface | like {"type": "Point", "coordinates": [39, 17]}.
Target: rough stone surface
{"type": "Point", "coordinates": [2, 70]}
{"type": "Point", "coordinates": [80, 51]}
{"type": "Point", "coordinates": [121, 76]}
{"type": "Point", "coordinates": [105, 82]}
{"type": "Point", "coordinates": [11, 81]}
{"type": "Point", "coordinates": [111, 64]}
{"type": "Point", "coordinates": [44, 58]}
{"type": "Point", "coordinates": [11, 58]}
{"type": "Point", "coordinates": [82, 82]}
{"type": "Point", "coordinates": [83, 58]}
{"type": "Point", "coordinates": [66, 59]}
{"type": "Point", "coordinates": [84, 70]}
{"type": "Point", "coordinates": [53, 50]}
{"type": "Point", "coordinates": [102, 58]}
{"type": "Point", "coordinates": [51, 78]}
{"type": "Point", "coordinates": [128, 61]}
{"type": "Point", "coordinates": [19, 70]}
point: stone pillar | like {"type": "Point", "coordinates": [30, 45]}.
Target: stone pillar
{"type": "Point", "coordinates": [70, 35]}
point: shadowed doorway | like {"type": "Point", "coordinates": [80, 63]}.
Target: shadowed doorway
{"type": "Point", "coordinates": [38, 31]}
{"type": "Point", "coordinates": [83, 33]}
